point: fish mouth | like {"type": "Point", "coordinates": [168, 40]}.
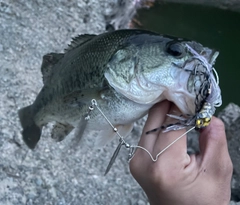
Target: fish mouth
{"type": "Point", "coordinates": [203, 81]}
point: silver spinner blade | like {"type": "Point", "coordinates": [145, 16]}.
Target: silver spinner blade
{"type": "Point", "coordinates": [115, 154]}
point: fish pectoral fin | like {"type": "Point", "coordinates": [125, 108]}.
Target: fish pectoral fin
{"type": "Point", "coordinates": [49, 60]}
{"type": "Point", "coordinates": [60, 131]}
{"type": "Point", "coordinates": [109, 134]}
{"type": "Point", "coordinates": [78, 41]}
{"type": "Point", "coordinates": [81, 97]}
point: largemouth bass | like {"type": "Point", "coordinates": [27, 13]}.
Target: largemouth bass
{"type": "Point", "coordinates": [126, 72]}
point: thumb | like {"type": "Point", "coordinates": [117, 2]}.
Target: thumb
{"type": "Point", "coordinates": [213, 148]}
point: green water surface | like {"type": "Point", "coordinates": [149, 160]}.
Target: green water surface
{"type": "Point", "coordinates": [212, 27]}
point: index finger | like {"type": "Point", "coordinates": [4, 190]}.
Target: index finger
{"type": "Point", "coordinates": [156, 117]}
{"type": "Point", "coordinates": [175, 155]}
{"type": "Point", "coordinates": [155, 142]}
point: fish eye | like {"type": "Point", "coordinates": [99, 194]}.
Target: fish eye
{"type": "Point", "coordinates": [175, 49]}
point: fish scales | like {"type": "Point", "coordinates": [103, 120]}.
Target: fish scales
{"type": "Point", "coordinates": [127, 72]}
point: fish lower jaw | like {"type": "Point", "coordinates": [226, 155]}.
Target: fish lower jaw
{"type": "Point", "coordinates": [184, 101]}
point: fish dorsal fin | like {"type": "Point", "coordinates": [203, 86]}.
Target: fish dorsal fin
{"type": "Point", "coordinates": [79, 40]}
{"type": "Point", "coordinates": [49, 60]}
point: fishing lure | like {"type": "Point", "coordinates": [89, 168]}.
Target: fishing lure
{"type": "Point", "coordinates": [208, 97]}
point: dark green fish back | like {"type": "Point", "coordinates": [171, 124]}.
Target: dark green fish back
{"type": "Point", "coordinates": [83, 67]}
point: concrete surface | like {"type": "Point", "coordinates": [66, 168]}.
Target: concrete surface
{"type": "Point", "coordinates": [231, 118]}
{"type": "Point", "coordinates": [54, 174]}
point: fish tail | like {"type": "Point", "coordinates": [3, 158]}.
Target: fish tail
{"type": "Point", "coordinates": [31, 132]}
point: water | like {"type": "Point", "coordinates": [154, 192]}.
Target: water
{"type": "Point", "coordinates": [214, 28]}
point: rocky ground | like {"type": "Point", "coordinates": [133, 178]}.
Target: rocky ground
{"type": "Point", "coordinates": [54, 174]}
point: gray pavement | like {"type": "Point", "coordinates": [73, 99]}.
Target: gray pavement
{"type": "Point", "coordinates": [53, 174]}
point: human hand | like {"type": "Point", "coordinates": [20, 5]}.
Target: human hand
{"type": "Point", "coordinates": [176, 177]}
